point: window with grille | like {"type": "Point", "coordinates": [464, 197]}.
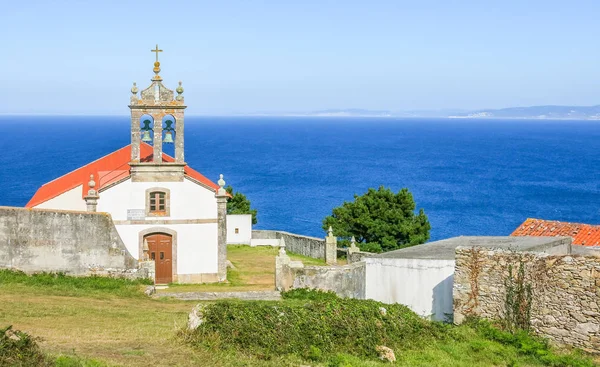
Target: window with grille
{"type": "Point", "coordinates": [158, 202]}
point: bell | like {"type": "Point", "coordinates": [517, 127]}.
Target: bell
{"type": "Point", "coordinates": [146, 137]}
{"type": "Point", "coordinates": [168, 137]}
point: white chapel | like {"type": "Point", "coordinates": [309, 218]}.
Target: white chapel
{"type": "Point", "coordinates": [162, 208]}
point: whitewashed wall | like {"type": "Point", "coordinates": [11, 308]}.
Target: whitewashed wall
{"type": "Point", "coordinates": [424, 285]}
{"type": "Point", "coordinates": [243, 222]}
{"type": "Point", "coordinates": [196, 245]}
{"type": "Point", "coordinates": [69, 200]}
{"type": "Point", "coordinates": [188, 199]}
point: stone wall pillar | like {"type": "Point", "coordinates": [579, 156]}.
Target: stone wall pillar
{"type": "Point", "coordinates": [157, 141]}
{"type": "Point", "coordinates": [91, 199]}
{"type": "Point", "coordinates": [222, 230]}
{"type": "Point", "coordinates": [330, 248]}
{"type": "Point", "coordinates": [135, 135]}
{"type": "Point", "coordinates": [351, 250]}
{"type": "Point", "coordinates": [281, 261]}
{"type": "Point", "coordinates": [179, 125]}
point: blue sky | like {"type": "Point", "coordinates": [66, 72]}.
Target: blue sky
{"type": "Point", "coordinates": [80, 57]}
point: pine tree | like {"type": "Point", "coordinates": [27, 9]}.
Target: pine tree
{"type": "Point", "coordinates": [238, 203]}
{"type": "Point", "coordinates": [380, 220]}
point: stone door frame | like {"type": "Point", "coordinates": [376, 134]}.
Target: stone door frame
{"type": "Point", "coordinates": [170, 232]}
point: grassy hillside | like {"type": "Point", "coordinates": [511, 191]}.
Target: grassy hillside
{"type": "Point", "coordinates": [99, 322]}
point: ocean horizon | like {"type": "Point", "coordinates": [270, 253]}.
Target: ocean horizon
{"type": "Point", "coordinates": [471, 176]}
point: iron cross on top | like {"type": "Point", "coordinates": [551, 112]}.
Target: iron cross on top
{"type": "Point", "coordinates": [157, 51]}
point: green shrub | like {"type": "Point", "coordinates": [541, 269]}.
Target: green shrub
{"type": "Point", "coordinates": [311, 329]}
{"type": "Point", "coordinates": [61, 284]}
{"type": "Point", "coordinates": [310, 294]}
{"type": "Point", "coordinates": [314, 353]}
{"type": "Point", "coordinates": [20, 349]}
{"type": "Point", "coordinates": [530, 345]}
{"type": "Point", "coordinates": [320, 327]}
{"type": "Point", "coordinates": [370, 247]}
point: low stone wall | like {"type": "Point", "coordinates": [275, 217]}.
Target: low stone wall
{"type": "Point", "coordinates": [354, 257]}
{"type": "Point", "coordinates": [565, 300]}
{"type": "Point", "coordinates": [346, 280]}
{"type": "Point", "coordinates": [298, 244]}
{"type": "Point", "coordinates": [585, 250]}
{"type": "Point", "coordinates": [77, 243]}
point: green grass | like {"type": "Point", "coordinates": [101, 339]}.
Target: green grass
{"type": "Point", "coordinates": [104, 322]}
{"type": "Point", "coordinates": [76, 361]}
{"type": "Point", "coordinates": [91, 331]}
{"type": "Point", "coordinates": [61, 284]}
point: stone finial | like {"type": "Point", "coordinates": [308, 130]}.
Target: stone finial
{"type": "Point", "coordinates": [330, 232]}
{"type": "Point", "coordinates": [221, 182]}
{"type": "Point", "coordinates": [92, 184]}
{"type": "Point", "coordinates": [134, 89]}
{"type": "Point", "coordinates": [179, 92]}
{"type": "Point", "coordinates": [282, 251]}
{"type": "Point", "coordinates": [91, 199]}
{"type": "Point", "coordinates": [353, 248]}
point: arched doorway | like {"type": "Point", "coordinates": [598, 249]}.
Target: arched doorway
{"type": "Point", "coordinates": [160, 249]}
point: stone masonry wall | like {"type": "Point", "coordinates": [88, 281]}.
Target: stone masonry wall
{"type": "Point", "coordinates": [345, 280]}
{"type": "Point", "coordinates": [565, 302]}
{"type": "Point", "coordinates": [77, 243]}
{"type": "Point", "coordinates": [298, 244]}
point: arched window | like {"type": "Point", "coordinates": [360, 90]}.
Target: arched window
{"type": "Point", "coordinates": [158, 202]}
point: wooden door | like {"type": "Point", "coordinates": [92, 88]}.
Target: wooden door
{"type": "Point", "coordinates": [160, 249]}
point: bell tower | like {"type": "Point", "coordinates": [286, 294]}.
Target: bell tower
{"type": "Point", "coordinates": [157, 119]}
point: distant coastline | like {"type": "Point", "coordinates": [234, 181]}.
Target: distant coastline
{"type": "Point", "coordinates": [550, 112]}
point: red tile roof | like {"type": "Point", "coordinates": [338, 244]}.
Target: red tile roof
{"type": "Point", "coordinates": [583, 234]}
{"type": "Point", "coordinates": [106, 170]}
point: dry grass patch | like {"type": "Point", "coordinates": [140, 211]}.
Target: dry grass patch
{"type": "Point", "coordinates": [117, 330]}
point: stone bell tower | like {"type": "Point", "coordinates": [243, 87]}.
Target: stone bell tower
{"type": "Point", "coordinates": [157, 119]}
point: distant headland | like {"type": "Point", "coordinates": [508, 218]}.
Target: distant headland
{"type": "Point", "coordinates": [549, 112]}
{"type": "Point", "coordinates": [537, 112]}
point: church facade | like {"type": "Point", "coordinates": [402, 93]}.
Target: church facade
{"type": "Point", "coordinates": [163, 209]}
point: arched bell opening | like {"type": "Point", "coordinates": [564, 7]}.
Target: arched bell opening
{"type": "Point", "coordinates": [147, 129]}
{"type": "Point", "coordinates": [168, 124]}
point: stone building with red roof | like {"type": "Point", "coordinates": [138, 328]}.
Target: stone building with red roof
{"type": "Point", "coordinates": [162, 209]}
{"type": "Point", "coordinates": [582, 234]}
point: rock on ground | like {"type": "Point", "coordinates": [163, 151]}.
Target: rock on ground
{"type": "Point", "coordinates": [386, 354]}
{"type": "Point", "coordinates": [195, 317]}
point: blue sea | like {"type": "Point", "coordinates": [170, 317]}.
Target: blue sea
{"type": "Point", "coordinates": [472, 177]}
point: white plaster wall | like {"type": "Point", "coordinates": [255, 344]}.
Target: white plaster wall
{"type": "Point", "coordinates": [196, 245]}
{"type": "Point", "coordinates": [188, 199]}
{"type": "Point", "coordinates": [243, 222]}
{"type": "Point", "coordinates": [69, 200]}
{"type": "Point", "coordinates": [424, 285]}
